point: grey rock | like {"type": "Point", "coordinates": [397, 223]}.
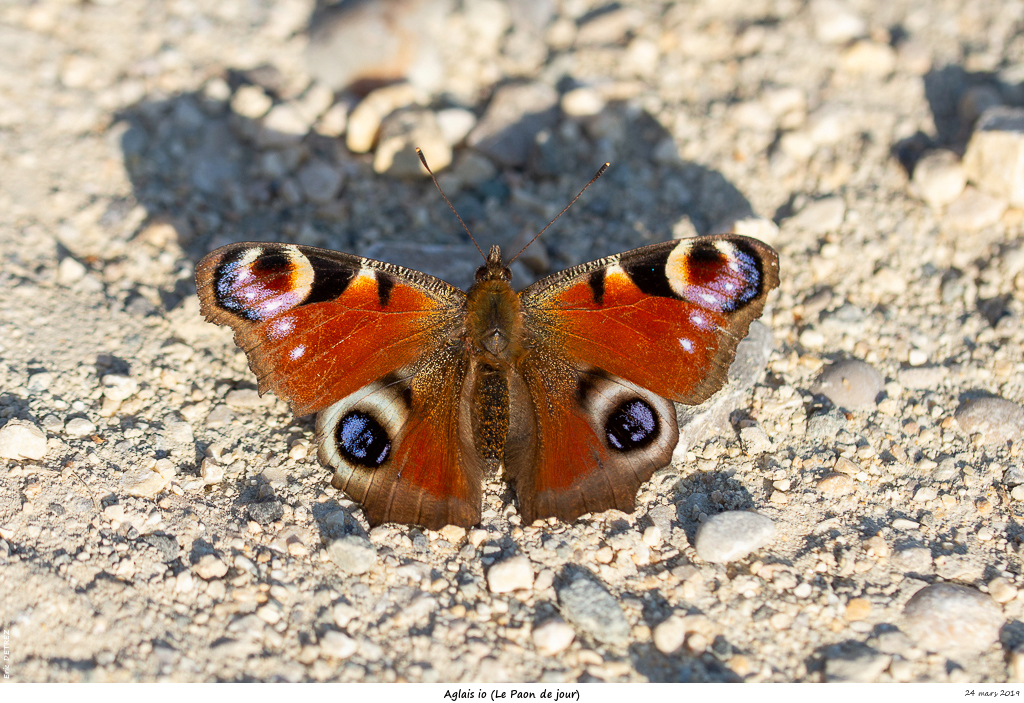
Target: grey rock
{"type": "Point", "coordinates": [825, 425]}
{"type": "Point", "coordinates": [998, 420]}
{"type": "Point", "coordinates": [319, 181]}
{"type": "Point", "coordinates": [266, 512]}
{"type": "Point", "coordinates": [854, 662]}
{"type": "Point", "coordinates": [916, 560]}
{"type": "Point", "coordinates": [851, 384]}
{"type": "Point", "coordinates": [514, 117]}
{"type": "Point", "coordinates": [711, 418]}
{"type": "Point", "coordinates": [732, 535]}
{"type": "Point", "coordinates": [588, 605]}
{"type": "Point", "coordinates": [165, 544]}
{"type": "Point", "coordinates": [352, 554]}
{"type": "Point", "coordinates": [1014, 476]}
{"type": "Point", "coordinates": [949, 618]}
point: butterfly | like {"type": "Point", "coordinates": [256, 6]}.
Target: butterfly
{"type": "Point", "coordinates": [422, 389]}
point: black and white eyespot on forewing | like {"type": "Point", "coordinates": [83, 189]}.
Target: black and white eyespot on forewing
{"type": "Point", "coordinates": [719, 274]}
{"type": "Point", "coordinates": [259, 283]}
{"type": "Point", "coordinates": [358, 432]}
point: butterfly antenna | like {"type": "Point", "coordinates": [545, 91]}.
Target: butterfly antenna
{"type": "Point", "coordinates": [600, 172]}
{"type": "Point", "coordinates": [423, 161]}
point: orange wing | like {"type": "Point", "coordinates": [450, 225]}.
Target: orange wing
{"type": "Point", "coordinates": [610, 341]}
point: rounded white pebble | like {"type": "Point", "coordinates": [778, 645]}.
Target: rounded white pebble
{"type": "Point", "coordinates": [946, 617]}
{"type": "Point", "coordinates": [669, 635]}
{"type": "Point", "coordinates": [553, 637]}
{"type": "Point", "coordinates": [510, 575]}
{"type": "Point", "coordinates": [79, 427]}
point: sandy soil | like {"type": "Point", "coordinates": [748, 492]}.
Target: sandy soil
{"type": "Point", "coordinates": [177, 527]}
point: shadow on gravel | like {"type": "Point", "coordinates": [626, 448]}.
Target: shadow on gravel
{"type": "Point", "coordinates": [220, 177]}
{"type": "Point", "coordinates": [956, 98]}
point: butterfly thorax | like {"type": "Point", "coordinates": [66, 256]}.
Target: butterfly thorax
{"type": "Point", "coordinates": [493, 315]}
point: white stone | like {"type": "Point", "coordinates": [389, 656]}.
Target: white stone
{"type": "Point", "coordinates": [582, 102]}
{"type": "Point", "coordinates": [117, 387]}
{"type": "Point", "coordinates": [22, 440]}
{"type": "Point", "coordinates": [365, 121]}
{"type": "Point", "coordinates": [820, 216]}
{"type": "Point", "coordinates": [283, 126]}
{"type": "Point", "coordinates": [455, 124]}
{"type": "Point", "coordinates": [337, 645]}
{"type": "Point", "coordinates": [79, 427]}
{"type": "Point", "coordinates": [319, 181]}
{"type": "Point", "coordinates": [251, 101]}
{"type": "Point", "coordinates": [923, 495]}
{"type": "Point", "coordinates": [211, 471]}
{"type": "Point", "coordinates": [512, 574]}
{"type": "Point", "coordinates": [669, 635]}
{"type": "Point", "coordinates": [835, 23]}
{"type": "Point", "coordinates": [939, 178]}
{"type": "Point", "coordinates": [210, 566]}
{"type": "Point", "coordinates": [70, 271]}
{"type": "Point", "coordinates": [553, 636]}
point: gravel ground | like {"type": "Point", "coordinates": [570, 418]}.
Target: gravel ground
{"type": "Point", "coordinates": [848, 511]}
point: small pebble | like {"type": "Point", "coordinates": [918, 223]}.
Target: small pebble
{"type": "Point", "coordinates": [993, 157]}
{"type": "Point", "coordinates": [251, 101]}
{"type": "Point", "coordinates": [851, 384]}
{"type": "Point", "coordinates": [803, 590]}
{"type": "Point", "coordinates": [319, 182]}
{"type": "Point", "coordinates": [210, 566]}
{"type": "Point", "coordinates": [117, 387]}
{"type": "Point", "coordinates": [869, 58]}
{"type": "Point", "coordinates": [1001, 590]}
{"type": "Point", "coordinates": [337, 645]}
{"type": "Point", "coordinates": [365, 120]}
{"type": "Point", "coordinates": [939, 178]}
{"type": "Point", "coordinates": [923, 495]}
{"type": "Point", "coordinates": [669, 635]}
{"type": "Point", "coordinates": [835, 484]}
{"type": "Point", "coordinates": [820, 216]}
{"type": "Point", "coordinates": [732, 535]}
{"type": "Point", "coordinates": [352, 554]}
{"type": "Point", "coordinates": [265, 512]}
{"type": "Point", "coordinates": [245, 398]}
{"type": "Point", "coordinates": [22, 440]}
{"type": "Point", "coordinates": [513, 574]}
{"type": "Point", "coordinates": [39, 382]}
{"type": "Point", "coordinates": [582, 102]}
{"type": "Point", "coordinates": [652, 537]}
{"type": "Point", "coordinates": [905, 525]}
{"type": "Point", "coordinates": [70, 271]}
{"type": "Point", "coordinates": [553, 636]}
{"type": "Point", "coordinates": [914, 560]}
{"type": "Point", "coordinates": [211, 472]}
{"type": "Point", "coordinates": [974, 210]}
{"type": "Point", "coordinates": [858, 609]}
{"type": "Point", "coordinates": [854, 662]}
{"type": "Point", "coordinates": [401, 133]}
{"type": "Point", "coordinates": [836, 23]}
{"type": "Point", "coordinates": [283, 126]}
{"type": "Point", "coordinates": [755, 440]}
{"type": "Point", "coordinates": [455, 124]}
{"type": "Point", "coordinates": [998, 420]}
{"type": "Point", "coordinates": [948, 618]}
{"type": "Point", "coordinates": [80, 427]}
{"type": "Point", "coordinates": [589, 606]}
{"type": "Point", "coordinates": [1017, 666]}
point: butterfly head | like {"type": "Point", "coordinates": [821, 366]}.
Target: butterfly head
{"type": "Point", "coordinates": [494, 269]}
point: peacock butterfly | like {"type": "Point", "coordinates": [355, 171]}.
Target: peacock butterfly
{"type": "Point", "coordinates": [422, 388]}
